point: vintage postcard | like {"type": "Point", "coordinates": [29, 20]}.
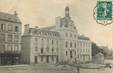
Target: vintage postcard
{"type": "Point", "coordinates": [56, 36]}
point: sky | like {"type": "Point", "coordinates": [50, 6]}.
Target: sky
{"type": "Point", "coordinates": [42, 13]}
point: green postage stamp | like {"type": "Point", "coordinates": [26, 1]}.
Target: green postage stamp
{"type": "Point", "coordinates": [103, 12]}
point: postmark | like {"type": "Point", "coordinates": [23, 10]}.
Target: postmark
{"type": "Point", "coordinates": [103, 12]}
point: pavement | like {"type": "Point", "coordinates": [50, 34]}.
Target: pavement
{"type": "Point", "coordinates": [50, 68]}
{"type": "Point", "coordinates": [92, 66]}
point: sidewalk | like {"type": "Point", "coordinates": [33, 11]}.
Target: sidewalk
{"type": "Point", "coordinates": [20, 65]}
{"type": "Point", "coordinates": [92, 66]}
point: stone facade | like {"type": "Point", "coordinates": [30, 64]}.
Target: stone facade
{"type": "Point", "coordinates": [84, 49]}
{"type": "Point", "coordinates": [10, 38]}
{"type": "Point", "coordinates": [55, 43]}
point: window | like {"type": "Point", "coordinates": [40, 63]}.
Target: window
{"type": "Point", "coordinates": [66, 34]}
{"type": "Point", "coordinates": [16, 38]}
{"type": "Point", "coordinates": [70, 44]}
{"type": "Point", "coordinates": [16, 28]}
{"type": "Point", "coordinates": [66, 44]}
{"type": "Point", "coordinates": [75, 45]}
{"type": "Point", "coordinates": [9, 47]}
{"type": "Point", "coordinates": [75, 52]}
{"type": "Point", "coordinates": [36, 39]}
{"type": "Point", "coordinates": [75, 36]}
{"type": "Point", "coordinates": [35, 31]}
{"type": "Point", "coordinates": [36, 49]}
{"type": "Point", "coordinates": [52, 42]}
{"type": "Point", "coordinates": [52, 58]}
{"type": "Point", "coordinates": [42, 40]}
{"type": "Point", "coordinates": [42, 50]}
{"type": "Point", "coordinates": [42, 58]}
{"type": "Point", "coordinates": [9, 38]}
{"type": "Point", "coordinates": [52, 50]}
{"type": "Point", "coordinates": [47, 49]}
{"type": "Point", "coordinates": [35, 59]}
{"type": "Point", "coordinates": [66, 53]}
{"type": "Point", "coordinates": [71, 55]}
{"type": "Point", "coordinates": [9, 28]}
{"type": "Point", "coordinates": [2, 37]}
{"type": "Point", "coordinates": [2, 26]}
{"type": "Point", "coordinates": [2, 47]}
{"type": "Point", "coordinates": [70, 35]}
{"type": "Point", "coordinates": [66, 23]}
{"type": "Point", "coordinates": [16, 48]}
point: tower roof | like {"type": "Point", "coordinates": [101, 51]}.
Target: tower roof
{"type": "Point", "coordinates": [67, 8]}
{"type": "Point", "coordinates": [67, 11]}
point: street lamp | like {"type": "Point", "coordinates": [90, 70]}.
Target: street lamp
{"type": "Point", "coordinates": [78, 66]}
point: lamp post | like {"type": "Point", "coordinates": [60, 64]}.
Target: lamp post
{"type": "Point", "coordinates": [78, 66]}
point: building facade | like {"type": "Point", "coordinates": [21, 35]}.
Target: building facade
{"type": "Point", "coordinates": [84, 49]}
{"type": "Point", "coordinates": [40, 45]}
{"type": "Point", "coordinates": [10, 38]}
{"type": "Point", "coordinates": [53, 44]}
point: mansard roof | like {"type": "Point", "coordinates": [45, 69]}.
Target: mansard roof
{"type": "Point", "coordinates": [44, 32]}
{"type": "Point", "coordinates": [81, 37]}
{"type": "Point", "coordinates": [48, 28]}
{"type": "Point", "coordinates": [9, 17]}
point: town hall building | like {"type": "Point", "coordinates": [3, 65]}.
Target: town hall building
{"type": "Point", "coordinates": [58, 43]}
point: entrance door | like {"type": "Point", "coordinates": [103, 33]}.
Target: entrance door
{"type": "Point", "coordinates": [36, 61]}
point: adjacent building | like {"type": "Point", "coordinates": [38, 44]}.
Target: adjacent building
{"type": "Point", "coordinates": [40, 45]}
{"type": "Point", "coordinates": [10, 38]}
{"type": "Point", "coordinates": [84, 49]}
{"type": "Point", "coordinates": [57, 43]}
